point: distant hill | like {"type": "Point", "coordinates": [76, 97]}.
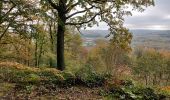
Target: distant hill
{"type": "Point", "coordinates": [158, 39]}
{"type": "Point", "coordinates": [94, 33]}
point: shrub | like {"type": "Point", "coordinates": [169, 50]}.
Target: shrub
{"type": "Point", "coordinates": [13, 75]}
{"type": "Point", "coordinates": [50, 77]}
{"type": "Point", "coordinates": [165, 90]}
{"type": "Point", "coordinates": [89, 77]}
{"type": "Point", "coordinates": [69, 78]}
{"type": "Point", "coordinates": [147, 93]}
{"type": "Point", "coordinates": [128, 91]}
{"type": "Point", "coordinates": [32, 78]}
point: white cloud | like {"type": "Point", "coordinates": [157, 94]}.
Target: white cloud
{"type": "Point", "coordinates": [157, 18]}
{"type": "Point", "coordinates": [148, 26]}
{"type": "Point", "coordinates": [167, 17]}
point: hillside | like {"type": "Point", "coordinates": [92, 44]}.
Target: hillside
{"type": "Point", "coordinates": [158, 39]}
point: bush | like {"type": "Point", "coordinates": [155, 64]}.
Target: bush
{"type": "Point", "coordinates": [89, 77]}
{"type": "Point", "coordinates": [13, 75]}
{"type": "Point", "coordinates": [25, 75]}
{"type": "Point", "coordinates": [69, 78]}
{"type": "Point", "coordinates": [147, 93]}
{"type": "Point", "coordinates": [50, 77]}
{"type": "Point", "coordinates": [128, 91]}
{"type": "Point", "coordinates": [165, 90]}
{"type": "Point", "coordinates": [32, 78]}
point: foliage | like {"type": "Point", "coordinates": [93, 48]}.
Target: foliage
{"type": "Point", "coordinates": [110, 12]}
{"type": "Point", "coordinates": [89, 77]}
{"type": "Point", "coordinates": [69, 78]}
{"type": "Point", "coordinates": [5, 87]}
{"type": "Point", "coordinates": [165, 90]}
{"type": "Point", "coordinates": [28, 79]}
{"type": "Point", "coordinates": [31, 76]}
{"type": "Point", "coordinates": [105, 57]}
{"type": "Point", "coordinates": [129, 91]}
{"type": "Point", "coordinates": [152, 66]}
{"type": "Point", "coordinates": [74, 57]}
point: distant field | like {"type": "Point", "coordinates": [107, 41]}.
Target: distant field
{"type": "Point", "coordinates": [158, 39]}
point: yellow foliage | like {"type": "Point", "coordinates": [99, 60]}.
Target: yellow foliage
{"type": "Point", "coordinates": [51, 70]}
{"type": "Point", "coordinates": [19, 66]}
{"type": "Point", "coordinates": [167, 88]}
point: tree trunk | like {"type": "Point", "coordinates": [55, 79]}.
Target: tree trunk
{"type": "Point", "coordinates": [60, 41]}
{"type": "Point", "coordinates": [61, 8]}
{"type": "Point", "coordinates": [36, 52]}
{"type": "Point", "coordinates": [160, 78]}
{"type": "Point", "coordinates": [146, 80]}
{"type": "Point", "coordinates": [52, 42]}
{"type": "Point", "coordinates": [1, 7]}
{"type": "Point", "coordinates": [40, 53]}
{"type": "Point", "coordinates": [154, 79]}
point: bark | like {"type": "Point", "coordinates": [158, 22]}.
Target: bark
{"type": "Point", "coordinates": [160, 77]}
{"type": "Point", "coordinates": [40, 53]}
{"type": "Point", "coordinates": [154, 79]}
{"type": "Point", "coordinates": [146, 80]}
{"type": "Point", "coordinates": [61, 8]}
{"type": "Point", "coordinates": [36, 53]}
{"type": "Point", "coordinates": [60, 46]}
{"type": "Point", "coordinates": [52, 42]}
{"type": "Point", "coordinates": [60, 40]}
{"type": "Point", "coordinates": [1, 6]}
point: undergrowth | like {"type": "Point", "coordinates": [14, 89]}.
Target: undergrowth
{"type": "Point", "coordinates": [28, 79]}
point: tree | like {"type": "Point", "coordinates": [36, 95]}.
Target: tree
{"type": "Point", "coordinates": [108, 57]}
{"type": "Point", "coordinates": [86, 13]}
{"type": "Point", "coordinates": [19, 23]}
{"type": "Point", "coordinates": [152, 65]}
{"type": "Point", "coordinates": [15, 16]}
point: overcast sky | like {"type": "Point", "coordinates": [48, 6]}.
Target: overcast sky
{"type": "Point", "coordinates": [157, 18]}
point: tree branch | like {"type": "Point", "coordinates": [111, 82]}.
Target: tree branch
{"type": "Point", "coordinates": [4, 32]}
{"type": "Point", "coordinates": [72, 6]}
{"type": "Point", "coordinates": [78, 12]}
{"type": "Point", "coordinates": [53, 4]}
{"type": "Point", "coordinates": [85, 22]}
{"type": "Point", "coordinates": [1, 19]}
{"type": "Point", "coordinates": [69, 3]}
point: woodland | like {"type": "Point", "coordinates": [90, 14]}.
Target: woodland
{"type": "Point", "coordinates": [42, 56]}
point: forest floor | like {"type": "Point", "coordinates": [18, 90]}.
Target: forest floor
{"type": "Point", "coordinates": [9, 92]}
{"type": "Point", "coordinates": [18, 82]}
